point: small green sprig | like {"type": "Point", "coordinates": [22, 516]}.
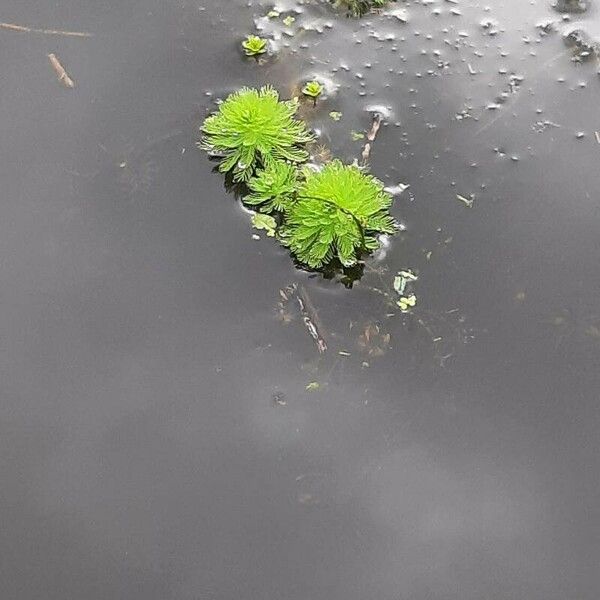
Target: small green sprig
{"type": "Point", "coordinates": [273, 188]}
{"type": "Point", "coordinates": [313, 89]}
{"type": "Point", "coordinates": [254, 45]}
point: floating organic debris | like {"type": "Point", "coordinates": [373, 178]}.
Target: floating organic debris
{"type": "Point", "coordinates": [254, 45]}
{"type": "Point", "coordinates": [407, 302]}
{"type": "Point", "coordinates": [289, 21]}
{"type": "Point", "coordinates": [373, 340]}
{"type": "Point", "coordinates": [371, 135]}
{"type": "Point", "coordinates": [310, 319]}
{"type": "Point", "coordinates": [358, 8]}
{"type": "Point", "coordinates": [62, 75]}
{"type": "Point", "coordinates": [253, 128]}
{"type": "Point", "coordinates": [313, 386]}
{"type": "Point", "coordinates": [266, 222]}
{"type": "Point", "coordinates": [468, 202]}
{"type": "Point", "coordinates": [403, 283]}
{"type": "Point", "coordinates": [571, 6]}
{"type": "Point", "coordinates": [278, 399]}
{"type": "Point", "coordinates": [335, 115]}
{"type": "Point", "coordinates": [402, 280]}
{"type": "Point", "coordinates": [23, 29]}
{"type": "Point", "coordinates": [583, 43]}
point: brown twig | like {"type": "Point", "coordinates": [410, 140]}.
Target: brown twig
{"type": "Point", "coordinates": [371, 137]}
{"type": "Point", "coordinates": [23, 29]}
{"type": "Point", "coordinates": [62, 75]}
{"type": "Point", "coordinates": [310, 319]}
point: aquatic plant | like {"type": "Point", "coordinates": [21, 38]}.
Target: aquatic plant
{"type": "Point", "coordinates": [325, 217]}
{"type": "Point", "coordinates": [337, 214]}
{"type": "Point", "coordinates": [254, 45]}
{"type": "Point", "coordinates": [253, 129]}
{"type": "Point", "coordinates": [357, 8]}
{"type": "Point", "coordinates": [312, 89]}
{"type": "Point", "coordinates": [273, 188]}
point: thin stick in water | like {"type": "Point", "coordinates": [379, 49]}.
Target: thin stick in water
{"type": "Point", "coordinates": [23, 29]}
{"type": "Point", "coordinates": [62, 75]}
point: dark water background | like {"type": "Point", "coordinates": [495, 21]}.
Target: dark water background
{"type": "Point", "coordinates": [157, 440]}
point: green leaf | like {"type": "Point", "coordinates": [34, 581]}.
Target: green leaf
{"type": "Point", "coordinates": [266, 222]}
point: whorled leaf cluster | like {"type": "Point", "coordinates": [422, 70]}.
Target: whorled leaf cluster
{"type": "Point", "coordinates": [324, 216]}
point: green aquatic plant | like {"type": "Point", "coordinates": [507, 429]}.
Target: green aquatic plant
{"type": "Point", "coordinates": [253, 129]}
{"type": "Point", "coordinates": [254, 45]}
{"type": "Point", "coordinates": [273, 188]}
{"type": "Point", "coordinates": [338, 213]}
{"type": "Point", "coordinates": [313, 89]}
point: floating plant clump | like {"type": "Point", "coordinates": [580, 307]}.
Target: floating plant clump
{"type": "Point", "coordinates": [253, 128]}
{"type": "Point", "coordinates": [326, 217]}
{"type": "Point", "coordinates": [254, 45]}
{"type": "Point", "coordinates": [358, 8]}
{"type": "Point", "coordinates": [338, 213]}
{"type": "Point", "coordinates": [312, 89]}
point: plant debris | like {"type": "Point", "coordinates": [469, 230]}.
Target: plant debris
{"type": "Point", "coordinates": [62, 75]}
{"type": "Point", "coordinates": [468, 202]}
{"type": "Point", "coordinates": [23, 29]}
{"type": "Point", "coordinates": [266, 222]}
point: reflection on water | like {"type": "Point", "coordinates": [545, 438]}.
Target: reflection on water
{"type": "Point", "coordinates": [170, 431]}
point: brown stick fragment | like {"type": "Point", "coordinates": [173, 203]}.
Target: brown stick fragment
{"type": "Point", "coordinates": [60, 72]}
{"type": "Point", "coordinates": [375, 125]}
{"type": "Point", "coordinates": [310, 319]}
{"type": "Point", "coordinates": [23, 29]}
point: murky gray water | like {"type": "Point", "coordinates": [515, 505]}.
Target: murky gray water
{"type": "Point", "coordinates": [157, 437]}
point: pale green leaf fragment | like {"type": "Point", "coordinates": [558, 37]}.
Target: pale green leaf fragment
{"type": "Point", "coordinates": [313, 386]}
{"type": "Point", "coordinates": [273, 14]}
{"type": "Point", "coordinates": [288, 21]}
{"type": "Point", "coordinates": [407, 302]}
{"type": "Point", "coordinates": [357, 135]}
{"type": "Point", "coordinates": [468, 202]}
{"type": "Point", "coordinates": [266, 222]}
{"type": "Point", "coordinates": [402, 279]}
{"type": "Point", "coordinates": [335, 115]}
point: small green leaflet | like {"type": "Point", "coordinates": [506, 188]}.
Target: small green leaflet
{"type": "Point", "coordinates": [288, 21]}
{"type": "Point", "coordinates": [266, 222]}
{"type": "Point", "coordinates": [402, 279]}
{"type": "Point", "coordinates": [407, 302]}
{"type": "Point", "coordinates": [335, 115]}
